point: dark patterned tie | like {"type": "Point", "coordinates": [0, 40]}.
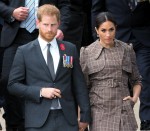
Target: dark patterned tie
{"type": "Point", "coordinates": [30, 21]}
{"type": "Point", "coordinates": [50, 61]}
{"type": "Point", "coordinates": [50, 64]}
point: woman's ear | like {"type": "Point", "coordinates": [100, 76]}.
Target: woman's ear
{"type": "Point", "coordinates": [96, 32]}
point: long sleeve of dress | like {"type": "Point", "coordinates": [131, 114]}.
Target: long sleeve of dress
{"type": "Point", "coordinates": [135, 77]}
{"type": "Point", "coordinates": [83, 63]}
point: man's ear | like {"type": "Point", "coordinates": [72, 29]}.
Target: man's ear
{"type": "Point", "coordinates": [59, 23]}
{"type": "Point", "coordinates": [37, 23]}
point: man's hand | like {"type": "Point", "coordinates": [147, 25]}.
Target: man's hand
{"type": "Point", "coordinates": [59, 35]}
{"type": "Point", "coordinates": [50, 93]}
{"type": "Point", "coordinates": [82, 126]}
{"type": "Point", "coordinates": [20, 13]}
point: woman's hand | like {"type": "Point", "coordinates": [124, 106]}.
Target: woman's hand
{"type": "Point", "coordinates": [134, 99]}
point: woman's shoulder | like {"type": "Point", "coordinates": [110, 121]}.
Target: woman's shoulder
{"type": "Point", "coordinates": [127, 46]}
{"type": "Point", "coordinates": [89, 48]}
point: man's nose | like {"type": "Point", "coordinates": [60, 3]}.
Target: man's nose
{"type": "Point", "coordinates": [49, 28]}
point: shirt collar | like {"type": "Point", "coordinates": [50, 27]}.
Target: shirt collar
{"type": "Point", "coordinates": [97, 49]}
{"type": "Point", "coordinates": [43, 43]}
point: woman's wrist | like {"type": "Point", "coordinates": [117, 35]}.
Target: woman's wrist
{"type": "Point", "coordinates": [134, 99]}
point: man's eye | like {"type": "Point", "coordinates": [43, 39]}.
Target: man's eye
{"type": "Point", "coordinates": [53, 25]}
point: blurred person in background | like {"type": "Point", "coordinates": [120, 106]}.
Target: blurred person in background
{"type": "Point", "coordinates": [79, 30]}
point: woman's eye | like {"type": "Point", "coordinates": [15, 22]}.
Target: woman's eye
{"type": "Point", "coordinates": [103, 30]}
{"type": "Point", "coordinates": [112, 29]}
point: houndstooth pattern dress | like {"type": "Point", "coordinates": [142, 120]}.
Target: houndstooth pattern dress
{"type": "Point", "coordinates": [107, 72]}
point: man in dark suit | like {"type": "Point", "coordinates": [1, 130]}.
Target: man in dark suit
{"type": "Point", "coordinates": [1, 49]}
{"type": "Point", "coordinates": [1, 25]}
{"type": "Point", "coordinates": [16, 13]}
{"type": "Point", "coordinates": [1, 60]}
{"type": "Point", "coordinates": [79, 30]}
{"type": "Point", "coordinates": [133, 26]}
{"type": "Point", "coordinates": [33, 78]}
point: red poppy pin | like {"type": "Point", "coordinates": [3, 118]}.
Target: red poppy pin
{"type": "Point", "coordinates": [62, 46]}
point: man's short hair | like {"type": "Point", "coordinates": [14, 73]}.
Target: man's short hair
{"type": "Point", "coordinates": [49, 10]}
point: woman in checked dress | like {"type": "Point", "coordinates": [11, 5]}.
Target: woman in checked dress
{"type": "Point", "coordinates": [108, 65]}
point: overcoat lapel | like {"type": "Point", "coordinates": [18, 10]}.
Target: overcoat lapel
{"type": "Point", "coordinates": [97, 49]}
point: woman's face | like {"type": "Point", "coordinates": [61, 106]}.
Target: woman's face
{"type": "Point", "coordinates": [106, 32]}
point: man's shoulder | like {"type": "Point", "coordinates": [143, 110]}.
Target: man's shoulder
{"type": "Point", "coordinates": [29, 45]}
{"type": "Point", "coordinates": [66, 43]}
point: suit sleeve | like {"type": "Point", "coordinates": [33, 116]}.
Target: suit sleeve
{"type": "Point", "coordinates": [64, 7]}
{"type": "Point", "coordinates": [83, 63]}
{"type": "Point", "coordinates": [17, 80]}
{"type": "Point", "coordinates": [80, 90]}
{"type": "Point", "coordinates": [6, 10]}
{"type": "Point", "coordinates": [97, 7]}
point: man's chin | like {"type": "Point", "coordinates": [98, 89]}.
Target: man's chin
{"type": "Point", "coordinates": [49, 39]}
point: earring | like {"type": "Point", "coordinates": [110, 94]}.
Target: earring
{"type": "Point", "coordinates": [97, 35]}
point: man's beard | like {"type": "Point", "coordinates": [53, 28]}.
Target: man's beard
{"type": "Point", "coordinates": [48, 36]}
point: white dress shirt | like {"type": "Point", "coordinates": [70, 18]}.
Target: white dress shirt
{"type": "Point", "coordinates": [53, 49]}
